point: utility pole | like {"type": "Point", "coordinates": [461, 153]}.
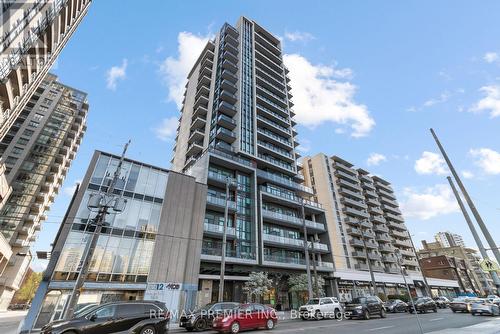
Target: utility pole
{"type": "Point", "coordinates": [472, 207]}
{"type": "Point", "coordinates": [306, 250]}
{"type": "Point", "coordinates": [472, 228]}
{"type": "Point", "coordinates": [374, 284]}
{"type": "Point", "coordinates": [229, 182]}
{"type": "Point", "coordinates": [402, 269]}
{"type": "Point", "coordinates": [103, 202]}
{"type": "Point", "coordinates": [316, 287]}
{"type": "Point", "coordinates": [428, 291]}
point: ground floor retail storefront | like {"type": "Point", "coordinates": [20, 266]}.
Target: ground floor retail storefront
{"type": "Point", "coordinates": [351, 284]}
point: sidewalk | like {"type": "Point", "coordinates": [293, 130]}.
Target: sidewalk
{"type": "Point", "coordinates": [10, 314]}
{"type": "Point", "coordinates": [487, 327]}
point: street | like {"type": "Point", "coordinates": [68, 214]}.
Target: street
{"type": "Point", "coordinates": [393, 324]}
{"type": "Point", "coordinates": [9, 321]}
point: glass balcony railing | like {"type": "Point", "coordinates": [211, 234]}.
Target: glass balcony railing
{"type": "Point", "coordinates": [229, 253]}
{"type": "Point", "coordinates": [274, 124]}
{"type": "Point", "coordinates": [219, 229]}
{"type": "Point", "coordinates": [283, 181]}
{"type": "Point", "coordinates": [276, 162]}
{"type": "Point", "coordinates": [220, 201]}
{"type": "Point", "coordinates": [290, 196]}
{"type": "Point", "coordinates": [297, 221]}
{"type": "Point", "coordinates": [276, 149]}
{"type": "Point", "coordinates": [274, 136]}
{"type": "Point", "coordinates": [273, 104]}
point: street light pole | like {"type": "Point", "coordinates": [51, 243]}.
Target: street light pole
{"type": "Point", "coordinates": [428, 291]}
{"type": "Point", "coordinates": [401, 268]}
{"type": "Point", "coordinates": [306, 250]}
{"type": "Point", "coordinates": [316, 287]}
{"type": "Point", "coordinates": [224, 242]}
{"type": "Point", "coordinates": [104, 202]}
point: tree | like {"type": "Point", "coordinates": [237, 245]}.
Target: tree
{"type": "Point", "coordinates": [28, 289]}
{"type": "Point", "coordinates": [258, 284]}
{"type": "Point", "coordinates": [298, 283]}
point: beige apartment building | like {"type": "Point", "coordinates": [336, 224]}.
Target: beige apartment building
{"type": "Point", "coordinates": [36, 152]}
{"type": "Point", "coordinates": [361, 206]}
{"type": "Point", "coordinates": [32, 34]}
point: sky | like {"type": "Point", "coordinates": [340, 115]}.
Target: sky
{"type": "Point", "coordinates": [369, 78]}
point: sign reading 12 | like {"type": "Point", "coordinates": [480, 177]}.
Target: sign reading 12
{"type": "Point", "coordinates": [168, 286]}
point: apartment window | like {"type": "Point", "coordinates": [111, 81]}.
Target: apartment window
{"type": "Point", "coordinates": [28, 133]}
{"type": "Point", "coordinates": [38, 117]}
{"type": "Point", "coordinates": [47, 101]}
{"type": "Point", "coordinates": [17, 150]}
{"type": "Point", "coordinates": [22, 141]}
{"type": "Point", "coordinates": [33, 124]}
{"type": "Point", "coordinates": [43, 108]}
{"type": "Point", "coordinates": [10, 160]}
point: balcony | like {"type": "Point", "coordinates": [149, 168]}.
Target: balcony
{"type": "Point", "coordinates": [201, 101]}
{"type": "Point", "coordinates": [228, 86]}
{"type": "Point", "coordinates": [274, 62]}
{"type": "Point", "coordinates": [226, 122]}
{"type": "Point", "coordinates": [380, 228]}
{"type": "Point", "coordinates": [396, 225]}
{"type": "Point", "coordinates": [214, 254]}
{"type": "Point", "coordinates": [352, 202]}
{"type": "Point", "coordinates": [268, 103]}
{"type": "Point", "coordinates": [384, 193]}
{"type": "Point", "coordinates": [372, 201]}
{"type": "Point", "coordinates": [346, 184]}
{"type": "Point", "coordinates": [288, 220]}
{"type": "Point", "coordinates": [374, 256]}
{"type": "Point", "coordinates": [383, 237]}
{"type": "Point", "coordinates": [227, 109]}
{"type": "Point", "coordinates": [370, 193]}
{"type": "Point", "coordinates": [384, 187]}
{"type": "Point", "coordinates": [354, 231]}
{"type": "Point", "coordinates": [194, 148]}
{"type": "Point", "coordinates": [228, 97]}
{"type": "Point", "coordinates": [271, 85]}
{"type": "Point", "coordinates": [196, 136]}
{"type": "Point", "coordinates": [226, 135]}
{"type": "Point", "coordinates": [279, 100]}
{"type": "Point", "coordinates": [391, 210]}
{"type": "Point", "coordinates": [347, 176]}
{"type": "Point", "coordinates": [401, 234]}
{"type": "Point", "coordinates": [219, 230]}
{"type": "Point", "coordinates": [282, 241]}
{"type": "Point", "coordinates": [276, 151]}
{"type": "Point", "coordinates": [386, 248]}
{"type": "Point", "coordinates": [290, 197]}
{"type": "Point", "coordinates": [278, 118]}
{"type": "Point", "coordinates": [346, 169]}
{"type": "Point", "coordinates": [358, 254]}
{"type": "Point", "coordinates": [376, 210]}
{"type": "Point", "coordinates": [394, 217]}
{"type": "Point", "coordinates": [276, 163]}
{"type": "Point", "coordinates": [198, 123]}
{"type": "Point", "coordinates": [356, 243]}
{"type": "Point", "coordinates": [369, 234]}
{"type": "Point", "coordinates": [361, 266]}
{"type": "Point", "coordinates": [218, 203]}
{"type": "Point", "coordinates": [317, 246]}
{"type": "Point", "coordinates": [393, 270]}
{"type": "Point", "coordinates": [354, 212]}
{"type": "Point", "coordinates": [265, 122]}
{"type": "Point", "coordinates": [218, 177]}
{"type": "Point", "coordinates": [227, 75]}
{"type": "Point", "coordinates": [200, 111]}
{"type": "Point", "coordinates": [230, 56]}
{"type": "Point", "coordinates": [346, 191]}
{"type": "Point", "coordinates": [283, 181]}
{"type": "Point", "coordinates": [389, 259]}
{"type": "Point", "coordinates": [229, 65]}
{"type": "Point", "coordinates": [402, 243]}
{"type": "Point", "coordinates": [269, 70]}
{"type": "Point", "coordinates": [410, 262]}
{"type": "Point", "coordinates": [378, 268]}
{"type": "Point", "coordinates": [407, 252]}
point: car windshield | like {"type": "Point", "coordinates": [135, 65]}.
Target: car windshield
{"type": "Point", "coordinates": [359, 300]}
{"type": "Point", "coordinates": [85, 310]}
{"type": "Point", "coordinates": [313, 302]}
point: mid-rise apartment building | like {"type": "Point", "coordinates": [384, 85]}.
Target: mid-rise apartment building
{"type": "Point", "coordinates": [481, 281]}
{"type": "Point", "coordinates": [237, 126]}
{"type": "Point", "coordinates": [365, 227]}
{"type": "Point", "coordinates": [448, 239]}
{"type": "Point", "coordinates": [32, 34]}
{"type": "Point", "coordinates": [150, 250]}
{"type": "Point", "coordinates": [452, 268]}
{"type": "Point", "coordinates": [37, 152]}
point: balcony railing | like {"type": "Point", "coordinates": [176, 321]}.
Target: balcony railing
{"type": "Point", "coordinates": [297, 221]}
{"type": "Point", "coordinates": [229, 253]}
{"type": "Point", "coordinates": [219, 201]}
{"type": "Point", "coordinates": [276, 149]}
{"type": "Point", "coordinates": [219, 229]}
{"type": "Point", "coordinates": [283, 181]}
{"type": "Point", "coordinates": [290, 196]}
{"type": "Point", "coordinates": [276, 162]}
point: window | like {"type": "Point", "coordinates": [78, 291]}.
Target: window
{"type": "Point", "coordinates": [28, 133]}
{"type": "Point", "coordinates": [33, 124]}
{"type": "Point", "coordinates": [126, 310]}
{"type": "Point", "coordinates": [326, 301]}
{"type": "Point", "coordinates": [107, 311]}
{"type": "Point", "coordinates": [22, 141]}
{"type": "Point", "coordinates": [17, 150]}
{"type": "Point", "coordinates": [258, 308]}
{"type": "Point", "coordinates": [38, 117]}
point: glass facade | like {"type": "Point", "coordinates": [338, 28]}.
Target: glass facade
{"type": "Point", "coordinates": [247, 84]}
{"type": "Point", "coordinates": [125, 247]}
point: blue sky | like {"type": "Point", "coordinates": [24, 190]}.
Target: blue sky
{"type": "Point", "coordinates": [370, 79]}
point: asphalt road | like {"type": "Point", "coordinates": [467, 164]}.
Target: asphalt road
{"type": "Point", "coordinates": [393, 324]}
{"type": "Point", "coordinates": [9, 321]}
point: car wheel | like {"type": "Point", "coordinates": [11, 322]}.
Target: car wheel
{"type": "Point", "coordinates": [235, 327]}
{"type": "Point", "coordinates": [366, 315]}
{"type": "Point", "coordinates": [200, 325]}
{"type": "Point", "coordinates": [382, 313]}
{"type": "Point", "coordinates": [148, 330]}
{"type": "Point", "coordinates": [269, 324]}
{"type": "Point", "coordinates": [473, 313]}
{"type": "Point", "coordinates": [318, 315]}
{"type": "Point", "coordinates": [303, 318]}
{"type": "Point", "coordinates": [454, 311]}
{"type": "Point", "coordinates": [337, 314]}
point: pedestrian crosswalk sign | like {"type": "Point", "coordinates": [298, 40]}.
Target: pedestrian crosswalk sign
{"type": "Point", "coordinates": [489, 265]}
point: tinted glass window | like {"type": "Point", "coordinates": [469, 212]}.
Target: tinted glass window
{"type": "Point", "coordinates": [150, 310]}
{"type": "Point", "coordinates": [258, 308]}
{"type": "Point", "coordinates": [106, 311]}
{"type": "Point", "coordinates": [127, 310]}
{"type": "Point", "coordinates": [359, 300]}
{"type": "Point", "coordinates": [326, 301]}
{"type": "Point", "coordinates": [372, 300]}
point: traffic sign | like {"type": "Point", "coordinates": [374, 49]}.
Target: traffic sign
{"type": "Point", "coordinates": [489, 265]}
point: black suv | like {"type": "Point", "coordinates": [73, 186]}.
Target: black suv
{"type": "Point", "coordinates": [202, 318]}
{"type": "Point", "coordinates": [138, 317]}
{"type": "Point", "coordinates": [365, 307]}
{"type": "Point", "coordinates": [422, 305]}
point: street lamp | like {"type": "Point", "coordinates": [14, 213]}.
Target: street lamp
{"type": "Point", "coordinates": [230, 184]}
{"type": "Point", "coordinates": [402, 269]}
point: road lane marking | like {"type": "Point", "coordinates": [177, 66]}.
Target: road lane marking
{"type": "Point", "coordinates": [436, 319]}
{"type": "Point", "coordinates": [379, 328]}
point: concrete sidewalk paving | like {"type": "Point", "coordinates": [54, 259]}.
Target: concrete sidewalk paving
{"type": "Point", "coordinates": [487, 327]}
{"type": "Point", "coordinates": [10, 314]}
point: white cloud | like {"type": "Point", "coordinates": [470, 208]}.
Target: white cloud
{"type": "Point", "coordinates": [488, 160]}
{"type": "Point", "coordinates": [467, 174]}
{"type": "Point", "coordinates": [443, 97]}
{"type": "Point", "coordinates": [319, 98]}
{"type": "Point", "coordinates": [116, 73]}
{"type": "Point", "coordinates": [175, 70]}
{"type": "Point", "coordinates": [433, 201]}
{"type": "Point", "coordinates": [305, 145]}
{"type": "Point", "coordinates": [167, 129]}
{"type": "Point", "coordinates": [69, 191]}
{"type": "Point", "coordinates": [430, 163]}
{"type": "Point", "coordinates": [490, 102]}
{"type": "Point", "coordinates": [375, 159]}
{"type": "Point", "coordinates": [299, 36]}
{"type": "Point", "coordinates": [491, 57]}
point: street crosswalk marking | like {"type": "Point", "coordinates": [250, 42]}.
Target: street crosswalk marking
{"type": "Point", "coordinates": [379, 328]}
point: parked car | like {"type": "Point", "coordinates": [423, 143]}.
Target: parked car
{"type": "Point", "coordinates": [141, 317]}
{"type": "Point", "coordinates": [396, 305]}
{"type": "Point", "coordinates": [365, 307]}
{"type": "Point", "coordinates": [81, 309]}
{"type": "Point", "coordinates": [320, 308]}
{"type": "Point", "coordinates": [484, 307]}
{"type": "Point", "coordinates": [244, 317]}
{"type": "Point", "coordinates": [462, 304]}
{"type": "Point", "coordinates": [491, 297]}
{"type": "Point", "coordinates": [495, 301]}
{"type": "Point", "coordinates": [203, 317]}
{"type": "Point", "coordinates": [422, 305]}
{"type": "Point", "coordinates": [442, 302]}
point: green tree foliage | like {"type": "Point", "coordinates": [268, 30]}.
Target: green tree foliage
{"type": "Point", "coordinates": [258, 284]}
{"type": "Point", "coordinates": [298, 283]}
{"type": "Point", "coordinates": [28, 289]}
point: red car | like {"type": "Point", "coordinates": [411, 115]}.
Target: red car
{"type": "Point", "coordinates": [244, 317]}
